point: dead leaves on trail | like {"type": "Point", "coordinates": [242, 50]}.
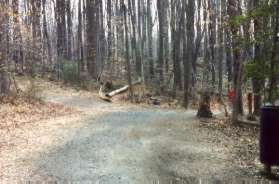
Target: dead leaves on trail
{"type": "Point", "coordinates": [16, 111]}
{"type": "Point", "coordinates": [242, 143]}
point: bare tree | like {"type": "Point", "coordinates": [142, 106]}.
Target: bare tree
{"type": "Point", "coordinates": [128, 66]}
{"type": "Point", "coordinates": [4, 82]}
{"type": "Point", "coordinates": [91, 32]}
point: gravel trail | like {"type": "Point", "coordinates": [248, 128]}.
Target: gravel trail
{"type": "Point", "coordinates": [114, 143]}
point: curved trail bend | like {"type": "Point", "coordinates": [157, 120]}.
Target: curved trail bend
{"type": "Point", "coordinates": [114, 143]}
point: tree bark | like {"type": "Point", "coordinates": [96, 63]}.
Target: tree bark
{"type": "Point", "coordinates": [162, 40]}
{"type": "Point", "coordinates": [46, 34]}
{"type": "Point", "coordinates": [128, 66]}
{"type": "Point", "coordinates": [17, 37]}
{"type": "Point", "coordinates": [257, 83]}
{"type": "Point", "coordinates": [238, 65]}
{"type": "Point", "coordinates": [188, 52]}
{"type": "Point", "coordinates": [69, 29]}
{"type": "Point", "coordinates": [150, 39]}
{"type": "Point", "coordinates": [91, 31]}
{"type": "Point", "coordinates": [4, 82]}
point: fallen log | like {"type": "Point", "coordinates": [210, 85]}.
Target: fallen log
{"type": "Point", "coordinates": [155, 101]}
{"type": "Point", "coordinates": [123, 89]}
{"type": "Point", "coordinates": [244, 121]}
{"type": "Point", "coordinates": [103, 95]}
{"type": "Point", "coordinates": [107, 96]}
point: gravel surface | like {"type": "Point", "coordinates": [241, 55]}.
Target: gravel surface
{"type": "Point", "coordinates": [114, 143]}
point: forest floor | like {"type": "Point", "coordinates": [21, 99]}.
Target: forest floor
{"type": "Point", "coordinates": [93, 141]}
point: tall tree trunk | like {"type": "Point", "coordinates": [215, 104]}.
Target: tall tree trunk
{"type": "Point", "coordinates": [91, 31]}
{"type": "Point", "coordinates": [109, 17]}
{"type": "Point", "coordinates": [221, 51]}
{"type": "Point", "coordinates": [150, 39]}
{"type": "Point", "coordinates": [80, 39]}
{"type": "Point", "coordinates": [198, 41]}
{"type": "Point", "coordinates": [212, 39]}
{"type": "Point", "coordinates": [101, 40]}
{"type": "Point", "coordinates": [46, 34]}
{"type": "Point", "coordinates": [206, 68]}
{"type": "Point", "coordinates": [69, 29]}
{"type": "Point", "coordinates": [238, 65]}
{"type": "Point", "coordinates": [228, 49]}
{"type": "Point", "coordinates": [17, 37]}
{"type": "Point", "coordinates": [176, 29]}
{"type": "Point", "coordinates": [190, 14]}
{"type": "Point", "coordinates": [36, 34]}
{"type": "Point", "coordinates": [61, 34]}
{"type": "Point", "coordinates": [167, 46]}
{"type": "Point", "coordinates": [257, 83]}
{"type": "Point", "coordinates": [162, 41]}
{"type": "Point", "coordinates": [4, 82]}
{"type": "Point", "coordinates": [144, 40]}
{"type": "Point", "coordinates": [139, 41]}
{"type": "Point", "coordinates": [129, 78]}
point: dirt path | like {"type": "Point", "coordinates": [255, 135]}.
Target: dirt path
{"type": "Point", "coordinates": [113, 143]}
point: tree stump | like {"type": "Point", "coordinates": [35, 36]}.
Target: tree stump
{"type": "Point", "coordinates": [204, 107]}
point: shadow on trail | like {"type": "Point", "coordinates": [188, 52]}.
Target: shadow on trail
{"type": "Point", "coordinates": [107, 149]}
{"type": "Point", "coordinates": [135, 146]}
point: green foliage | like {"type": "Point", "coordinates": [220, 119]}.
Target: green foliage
{"type": "Point", "coordinates": [70, 72]}
{"type": "Point", "coordinates": [35, 69]}
{"type": "Point", "coordinates": [256, 69]}
{"type": "Point", "coordinates": [238, 20]}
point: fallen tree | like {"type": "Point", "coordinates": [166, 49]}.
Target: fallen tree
{"type": "Point", "coordinates": [103, 95]}
{"type": "Point", "coordinates": [108, 95]}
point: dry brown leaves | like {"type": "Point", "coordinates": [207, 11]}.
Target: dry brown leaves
{"type": "Point", "coordinates": [240, 142]}
{"type": "Point", "coordinates": [16, 111]}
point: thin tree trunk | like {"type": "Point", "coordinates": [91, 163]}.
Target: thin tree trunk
{"type": "Point", "coordinates": [150, 39]}
{"type": "Point", "coordinates": [69, 29]}
{"type": "Point", "coordinates": [238, 65]}
{"type": "Point", "coordinates": [17, 37]}
{"type": "Point", "coordinates": [4, 82]}
{"type": "Point", "coordinates": [80, 40]}
{"type": "Point", "coordinates": [91, 33]}
{"type": "Point", "coordinates": [257, 83]}
{"type": "Point", "coordinates": [46, 34]}
{"type": "Point", "coordinates": [161, 17]}
{"type": "Point", "coordinates": [129, 78]}
{"type": "Point", "coordinates": [190, 14]}
{"type": "Point", "coordinates": [61, 34]}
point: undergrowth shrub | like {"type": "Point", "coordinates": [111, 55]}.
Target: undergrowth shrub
{"type": "Point", "coordinates": [33, 91]}
{"type": "Point", "coordinates": [70, 72]}
{"type": "Point", "coordinates": [36, 69]}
